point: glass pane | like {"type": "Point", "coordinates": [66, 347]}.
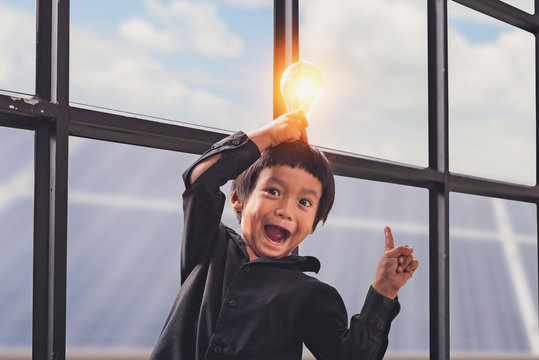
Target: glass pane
{"type": "Point", "coordinates": [124, 238]}
{"type": "Point", "coordinates": [16, 241]}
{"type": "Point", "coordinates": [526, 5]}
{"type": "Point", "coordinates": [373, 55]}
{"type": "Point", "coordinates": [493, 272]}
{"type": "Point", "coordinates": [491, 97]}
{"type": "Point", "coordinates": [351, 243]}
{"type": "Point", "coordinates": [208, 63]}
{"type": "Point", "coordinates": [18, 44]}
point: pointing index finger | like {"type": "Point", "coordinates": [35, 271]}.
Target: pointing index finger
{"type": "Point", "coordinates": [390, 244]}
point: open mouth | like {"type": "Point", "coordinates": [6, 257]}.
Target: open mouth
{"type": "Point", "coordinates": [276, 234]}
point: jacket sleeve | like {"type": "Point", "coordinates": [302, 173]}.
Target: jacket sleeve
{"type": "Point", "coordinates": [203, 202]}
{"type": "Point", "coordinates": [328, 336]}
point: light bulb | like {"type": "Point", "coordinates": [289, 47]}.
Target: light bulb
{"type": "Point", "coordinates": [302, 85]}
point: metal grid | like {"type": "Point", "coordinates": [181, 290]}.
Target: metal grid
{"type": "Point", "coordinates": [53, 119]}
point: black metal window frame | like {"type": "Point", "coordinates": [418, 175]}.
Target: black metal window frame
{"type": "Point", "coordinates": [53, 119]}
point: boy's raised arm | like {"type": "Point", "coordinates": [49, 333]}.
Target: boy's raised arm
{"type": "Point", "coordinates": [202, 167]}
{"type": "Point", "coordinates": [203, 200]}
{"type": "Point", "coordinates": [288, 127]}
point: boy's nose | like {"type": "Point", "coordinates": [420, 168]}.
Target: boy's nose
{"type": "Point", "coordinates": [283, 213]}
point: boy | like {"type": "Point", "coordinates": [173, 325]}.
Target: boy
{"type": "Point", "coordinates": [245, 297]}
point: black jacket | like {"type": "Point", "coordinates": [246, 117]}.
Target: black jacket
{"type": "Point", "coordinates": [230, 308]}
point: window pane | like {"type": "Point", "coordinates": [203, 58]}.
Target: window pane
{"type": "Point", "coordinates": [208, 63]}
{"type": "Point", "coordinates": [16, 240]}
{"type": "Point", "coordinates": [18, 44]}
{"type": "Point", "coordinates": [373, 55]}
{"type": "Point", "coordinates": [493, 272]}
{"type": "Point", "coordinates": [526, 5]}
{"type": "Point", "coordinates": [351, 243]}
{"type": "Point", "coordinates": [124, 237]}
{"type": "Point", "coordinates": [491, 97]}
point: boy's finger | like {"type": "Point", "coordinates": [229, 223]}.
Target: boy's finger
{"type": "Point", "coordinates": [300, 116]}
{"type": "Point", "coordinates": [302, 121]}
{"type": "Point", "coordinates": [303, 136]}
{"type": "Point", "coordinates": [407, 261]}
{"type": "Point", "coordinates": [402, 250]}
{"type": "Point", "coordinates": [413, 266]}
{"type": "Point", "coordinates": [390, 244]}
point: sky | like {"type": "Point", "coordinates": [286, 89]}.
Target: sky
{"type": "Point", "coordinates": [210, 63]}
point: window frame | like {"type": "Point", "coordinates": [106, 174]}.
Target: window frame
{"type": "Point", "coordinates": [53, 119]}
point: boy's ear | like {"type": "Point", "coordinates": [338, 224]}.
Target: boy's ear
{"type": "Point", "coordinates": [235, 201]}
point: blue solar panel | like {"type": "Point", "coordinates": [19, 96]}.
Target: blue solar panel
{"type": "Point", "coordinates": [16, 274]}
{"type": "Point", "coordinates": [369, 200]}
{"type": "Point", "coordinates": [123, 275]}
{"type": "Point", "coordinates": [483, 300]}
{"type": "Point", "coordinates": [471, 212]}
{"type": "Point", "coordinates": [528, 254]}
{"type": "Point", "coordinates": [105, 166]}
{"type": "Point", "coordinates": [523, 217]}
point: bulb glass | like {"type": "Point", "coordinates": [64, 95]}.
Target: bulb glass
{"type": "Point", "coordinates": [302, 85]}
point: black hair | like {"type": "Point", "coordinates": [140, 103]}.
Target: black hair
{"type": "Point", "coordinates": [296, 155]}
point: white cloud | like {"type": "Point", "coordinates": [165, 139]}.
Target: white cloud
{"type": "Point", "coordinates": [142, 33]}
{"type": "Point", "coordinates": [374, 61]}
{"type": "Point", "coordinates": [139, 74]}
{"type": "Point", "coordinates": [111, 73]}
{"type": "Point", "coordinates": [17, 58]}
{"type": "Point", "coordinates": [492, 106]}
{"type": "Point", "coordinates": [251, 4]}
{"type": "Point", "coordinates": [199, 25]}
{"type": "Point", "coordinates": [374, 57]}
{"type": "Point", "coordinates": [149, 68]}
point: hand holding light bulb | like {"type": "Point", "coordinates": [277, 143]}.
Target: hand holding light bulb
{"type": "Point", "coordinates": [302, 86]}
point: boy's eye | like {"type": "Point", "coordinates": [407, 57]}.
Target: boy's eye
{"type": "Point", "coordinates": [273, 191]}
{"type": "Point", "coordinates": [306, 202]}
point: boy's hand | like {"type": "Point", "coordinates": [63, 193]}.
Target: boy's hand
{"type": "Point", "coordinates": [395, 268]}
{"type": "Point", "coordinates": [288, 127]}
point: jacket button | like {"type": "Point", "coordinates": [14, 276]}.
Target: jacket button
{"type": "Point", "coordinates": [217, 349]}
{"type": "Point", "coordinates": [233, 303]}
{"type": "Point", "coordinates": [236, 141]}
{"type": "Point", "coordinates": [246, 268]}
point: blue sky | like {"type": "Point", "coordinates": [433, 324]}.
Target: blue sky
{"type": "Point", "coordinates": [478, 33]}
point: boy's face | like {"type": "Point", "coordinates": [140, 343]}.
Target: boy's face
{"type": "Point", "coordinates": [279, 212]}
